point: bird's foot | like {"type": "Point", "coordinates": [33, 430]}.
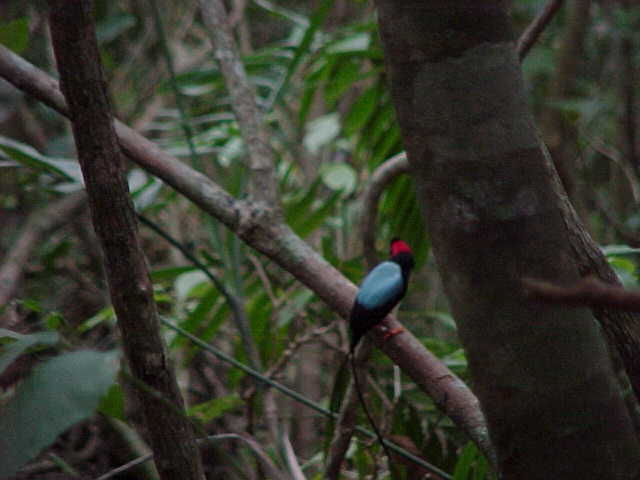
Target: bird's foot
{"type": "Point", "coordinates": [390, 332]}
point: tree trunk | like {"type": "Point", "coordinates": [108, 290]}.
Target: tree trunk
{"type": "Point", "coordinates": [82, 82]}
{"type": "Point", "coordinates": [495, 214]}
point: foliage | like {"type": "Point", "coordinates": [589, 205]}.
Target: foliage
{"type": "Point", "coordinates": [320, 82]}
{"type": "Point", "coordinates": [59, 393]}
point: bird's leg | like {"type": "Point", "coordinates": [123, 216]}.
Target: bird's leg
{"type": "Point", "coordinates": [389, 332]}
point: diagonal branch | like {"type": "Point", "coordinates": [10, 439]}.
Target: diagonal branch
{"type": "Point", "coordinates": [243, 102]}
{"type": "Point", "coordinates": [278, 242]}
{"type": "Point", "coordinates": [535, 28]}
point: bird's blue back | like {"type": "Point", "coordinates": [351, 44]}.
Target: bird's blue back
{"type": "Point", "coordinates": [381, 285]}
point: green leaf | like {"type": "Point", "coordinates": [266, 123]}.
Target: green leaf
{"type": "Point", "coordinates": [619, 250]}
{"type": "Point", "coordinates": [170, 273]}
{"type": "Point", "coordinates": [215, 407]}
{"type": "Point", "coordinates": [316, 20]}
{"type": "Point", "coordinates": [112, 404]}
{"type": "Point", "coordinates": [625, 269]}
{"type": "Point", "coordinates": [15, 34]}
{"type": "Point", "coordinates": [23, 342]}
{"type": "Point", "coordinates": [60, 392]}
{"type": "Point", "coordinates": [358, 42]}
{"type": "Point", "coordinates": [28, 156]}
{"type": "Point", "coordinates": [345, 75]}
{"type": "Point", "coordinates": [197, 316]}
{"type": "Point", "coordinates": [465, 462]}
{"type": "Point", "coordinates": [362, 110]}
{"type": "Point", "coordinates": [321, 131]}
{"type": "Point", "coordinates": [339, 176]}
{"type": "Point", "coordinates": [187, 282]}
{"type": "Point", "coordinates": [105, 315]}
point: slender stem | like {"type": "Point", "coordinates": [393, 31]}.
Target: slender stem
{"type": "Point", "coordinates": [536, 27]}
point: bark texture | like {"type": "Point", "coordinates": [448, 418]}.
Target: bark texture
{"type": "Point", "coordinates": [495, 214]}
{"type": "Point", "coordinates": [83, 85]}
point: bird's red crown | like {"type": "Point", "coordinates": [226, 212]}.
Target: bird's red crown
{"type": "Point", "coordinates": [399, 246]}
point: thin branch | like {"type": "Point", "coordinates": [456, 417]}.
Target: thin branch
{"type": "Point", "coordinates": [82, 81]}
{"type": "Point", "coordinates": [37, 225]}
{"type": "Point", "coordinates": [381, 178]}
{"type": "Point", "coordinates": [588, 291]}
{"type": "Point", "coordinates": [278, 242]}
{"type": "Point", "coordinates": [536, 27]}
{"type": "Point", "coordinates": [292, 460]}
{"type": "Point", "coordinates": [243, 102]}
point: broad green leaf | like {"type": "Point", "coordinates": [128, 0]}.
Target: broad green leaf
{"type": "Point", "coordinates": [30, 157]}
{"type": "Point", "coordinates": [339, 176]}
{"type": "Point", "coordinates": [15, 34]}
{"type": "Point", "coordinates": [625, 269]}
{"type": "Point", "coordinates": [13, 350]}
{"type": "Point", "coordinates": [186, 282]}
{"type": "Point", "coordinates": [321, 131]}
{"type": "Point", "coordinates": [345, 75]}
{"type": "Point", "coordinates": [359, 42]}
{"type": "Point", "coordinates": [60, 392]}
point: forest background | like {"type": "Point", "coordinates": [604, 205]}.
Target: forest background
{"type": "Point", "coordinates": [243, 301]}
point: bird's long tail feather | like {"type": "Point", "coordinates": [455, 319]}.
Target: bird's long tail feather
{"type": "Point", "coordinates": [356, 384]}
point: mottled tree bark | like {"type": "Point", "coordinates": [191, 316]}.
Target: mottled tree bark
{"type": "Point", "coordinates": [82, 82]}
{"type": "Point", "coordinates": [495, 213]}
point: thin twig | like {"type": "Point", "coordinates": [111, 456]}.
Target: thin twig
{"type": "Point", "coordinates": [292, 460]}
{"type": "Point", "coordinates": [536, 27]}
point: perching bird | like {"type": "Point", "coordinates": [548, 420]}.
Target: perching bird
{"type": "Point", "coordinates": [380, 291]}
